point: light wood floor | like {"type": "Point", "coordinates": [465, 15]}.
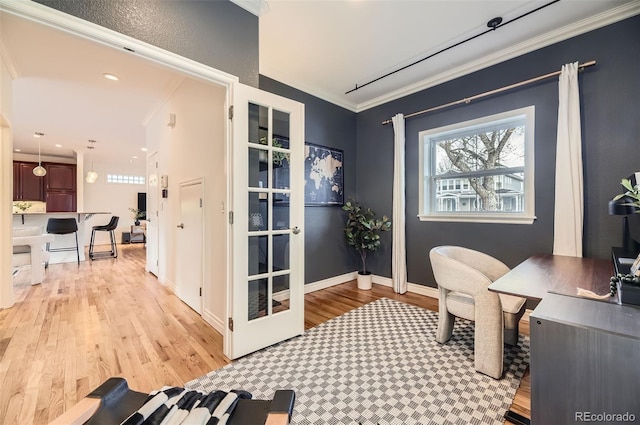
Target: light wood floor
{"type": "Point", "coordinates": [109, 317]}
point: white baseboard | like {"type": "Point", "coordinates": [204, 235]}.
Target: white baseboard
{"type": "Point", "coordinates": [215, 322]}
{"type": "Point", "coordinates": [411, 287]}
{"type": "Point", "coordinates": [380, 280]}
{"type": "Point", "coordinates": [332, 281]}
{"type": "Point", "coordinates": [169, 284]}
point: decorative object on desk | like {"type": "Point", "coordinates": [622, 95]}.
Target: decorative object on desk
{"type": "Point", "coordinates": [627, 203]}
{"type": "Point", "coordinates": [324, 176]}
{"type": "Point", "coordinates": [362, 232]}
{"type": "Point", "coordinates": [137, 215]}
{"type": "Point", "coordinates": [627, 287]}
{"type": "Point", "coordinates": [22, 206]}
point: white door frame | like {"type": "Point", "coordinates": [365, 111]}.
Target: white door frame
{"type": "Point", "coordinates": [153, 237]}
{"type": "Point", "coordinates": [72, 25]}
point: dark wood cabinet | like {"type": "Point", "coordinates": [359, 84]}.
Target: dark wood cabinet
{"type": "Point", "coordinates": [60, 177]}
{"type": "Point", "coordinates": [27, 186]}
{"type": "Point", "coordinates": [57, 188]}
{"type": "Point", "coordinates": [60, 187]}
{"type": "Point", "coordinates": [61, 201]}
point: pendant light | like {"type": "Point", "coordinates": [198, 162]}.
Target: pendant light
{"type": "Point", "coordinates": [39, 171]}
{"type": "Point", "coordinates": [92, 176]}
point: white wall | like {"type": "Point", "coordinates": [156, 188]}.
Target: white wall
{"type": "Point", "coordinates": [115, 198]}
{"type": "Point", "coordinates": [6, 185]}
{"type": "Point", "coordinates": [193, 148]}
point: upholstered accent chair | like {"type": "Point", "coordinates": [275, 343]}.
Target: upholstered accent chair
{"type": "Point", "coordinates": [463, 276]}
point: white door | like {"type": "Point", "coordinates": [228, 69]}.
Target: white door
{"type": "Point", "coordinates": [266, 294]}
{"type": "Point", "coordinates": [189, 236]}
{"type": "Point", "coordinates": [152, 234]}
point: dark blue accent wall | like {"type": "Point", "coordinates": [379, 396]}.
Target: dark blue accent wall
{"type": "Point", "coordinates": [610, 110]}
{"type": "Point", "coordinates": [216, 33]}
{"type": "Point", "coordinates": [326, 252]}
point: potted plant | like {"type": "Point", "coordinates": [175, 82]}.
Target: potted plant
{"type": "Point", "coordinates": [363, 233]}
{"type": "Point", "coordinates": [137, 215]}
{"type": "Point", "coordinates": [632, 195]}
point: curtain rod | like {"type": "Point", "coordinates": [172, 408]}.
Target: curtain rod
{"type": "Point", "coordinates": [490, 92]}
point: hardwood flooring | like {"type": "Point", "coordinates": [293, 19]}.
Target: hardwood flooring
{"type": "Point", "coordinates": [109, 317]}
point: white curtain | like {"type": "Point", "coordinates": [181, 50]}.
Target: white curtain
{"type": "Point", "coordinates": [569, 208]}
{"type": "Point", "coordinates": [398, 253]}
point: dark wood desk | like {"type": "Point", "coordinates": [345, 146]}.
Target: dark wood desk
{"type": "Point", "coordinates": [558, 274]}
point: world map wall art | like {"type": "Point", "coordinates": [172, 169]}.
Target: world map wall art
{"type": "Point", "coordinates": [323, 176]}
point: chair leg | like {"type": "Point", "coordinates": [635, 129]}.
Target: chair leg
{"type": "Point", "coordinates": [93, 236]}
{"type": "Point", "coordinates": [446, 320]}
{"type": "Point", "coordinates": [77, 248]}
{"type": "Point", "coordinates": [114, 244]}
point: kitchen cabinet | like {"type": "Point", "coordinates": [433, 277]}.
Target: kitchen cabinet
{"type": "Point", "coordinates": [60, 177]}
{"type": "Point", "coordinates": [60, 187]}
{"type": "Point", "coordinates": [57, 188]}
{"type": "Point", "coordinates": [27, 186]}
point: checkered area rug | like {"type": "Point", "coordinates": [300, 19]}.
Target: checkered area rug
{"type": "Point", "coordinates": [378, 364]}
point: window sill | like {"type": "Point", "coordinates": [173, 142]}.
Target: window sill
{"type": "Point", "coordinates": [475, 218]}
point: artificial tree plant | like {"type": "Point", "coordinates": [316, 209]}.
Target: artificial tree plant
{"type": "Point", "coordinates": [363, 233]}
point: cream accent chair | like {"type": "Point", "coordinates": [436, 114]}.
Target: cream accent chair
{"type": "Point", "coordinates": [463, 276]}
{"type": "Point", "coordinates": [29, 249]}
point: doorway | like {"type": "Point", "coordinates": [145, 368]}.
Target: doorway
{"type": "Point", "coordinates": [190, 244]}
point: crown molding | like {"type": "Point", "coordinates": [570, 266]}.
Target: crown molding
{"type": "Point", "coordinates": [257, 7]}
{"type": "Point", "coordinates": [12, 67]}
{"type": "Point", "coordinates": [589, 24]}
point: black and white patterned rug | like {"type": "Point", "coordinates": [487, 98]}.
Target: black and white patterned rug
{"type": "Point", "coordinates": [378, 364]}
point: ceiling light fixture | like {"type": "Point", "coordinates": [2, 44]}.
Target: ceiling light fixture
{"type": "Point", "coordinates": [58, 145]}
{"type": "Point", "coordinates": [38, 134]}
{"type": "Point", "coordinates": [39, 171]}
{"type": "Point", "coordinates": [92, 176]}
{"type": "Point", "coordinates": [143, 149]}
{"type": "Point", "coordinates": [111, 77]}
{"type": "Point", "coordinates": [92, 141]}
{"type": "Point", "coordinates": [17, 150]}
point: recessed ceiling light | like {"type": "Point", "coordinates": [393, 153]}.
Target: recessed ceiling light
{"type": "Point", "coordinates": [135, 157]}
{"type": "Point", "coordinates": [58, 145]}
{"type": "Point", "coordinates": [143, 149]}
{"type": "Point", "coordinates": [38, 134]}
{"type": "Point", "coordinates": [17, 150]}
{"type": "Point", "coordinates": [110, 77]}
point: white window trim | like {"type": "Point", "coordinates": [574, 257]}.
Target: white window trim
{"type": "Point", "coordinates": [526, 217]}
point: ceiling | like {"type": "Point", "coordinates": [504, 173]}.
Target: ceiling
{"type": "Point", "coordinates": [328, 47]}
{"type": "Point", "coordinates": [322, 47]}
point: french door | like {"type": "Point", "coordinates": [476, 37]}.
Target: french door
{"type": "Point", "coordinates": [266, 302]}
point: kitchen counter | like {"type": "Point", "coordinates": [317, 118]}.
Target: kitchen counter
{"type": "Point", "coordinates": [31, 219]}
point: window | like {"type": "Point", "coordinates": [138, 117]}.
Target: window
{"type": "Point", "coordinates": [119, 178]}
{"type": "Point", "coordinates": [479, 170]}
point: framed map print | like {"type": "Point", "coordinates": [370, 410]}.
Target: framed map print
{"type": "Point", "coordinates": [323, 175]}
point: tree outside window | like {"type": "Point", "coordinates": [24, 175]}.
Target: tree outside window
{"type": "Point", "coordinates": [482, 167]}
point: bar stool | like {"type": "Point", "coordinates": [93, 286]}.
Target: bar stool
{"type": "Point", "coordinates": [63, 226]}
{"type": "Point", "coordinates": [110, 227]}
